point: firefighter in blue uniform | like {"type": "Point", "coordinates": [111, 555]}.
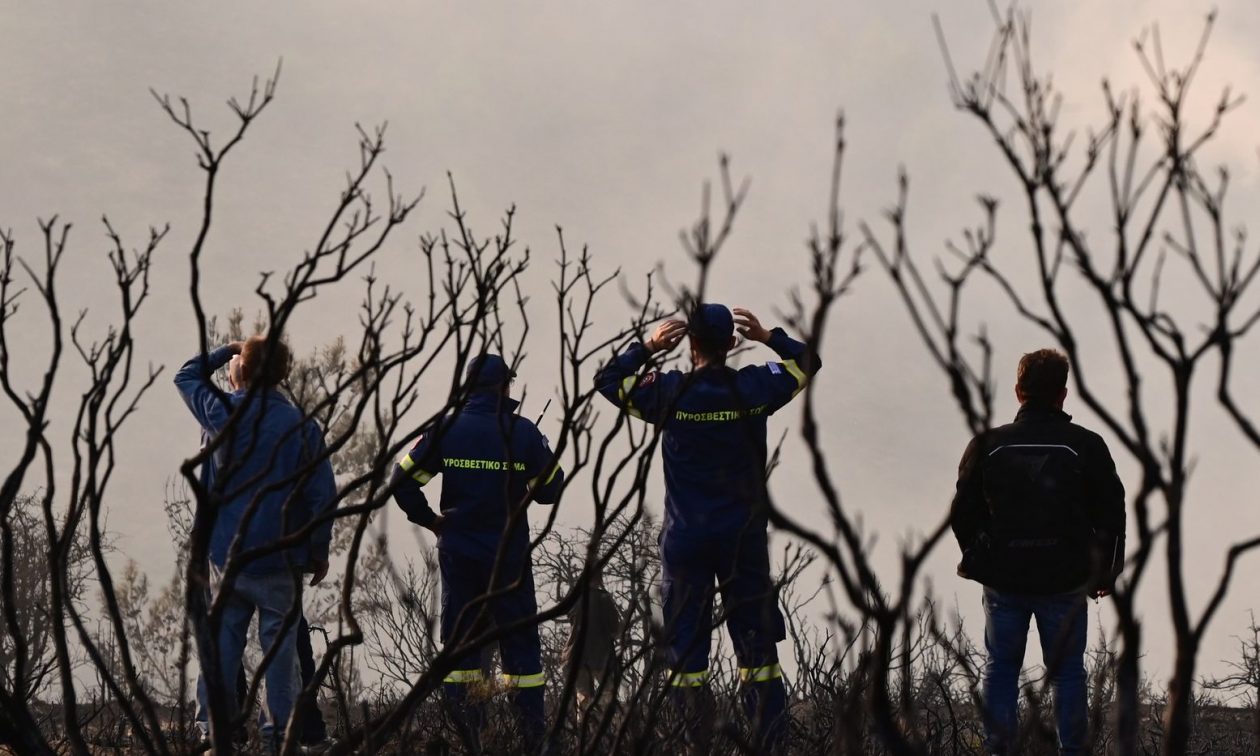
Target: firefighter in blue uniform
{"type": "Point", "coordinates": [713, 422]}
{"type": "Point", "coordinates": [491, 460]}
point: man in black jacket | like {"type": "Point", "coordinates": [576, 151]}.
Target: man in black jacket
{"type": "Point", "coordinates": [1039, 514]}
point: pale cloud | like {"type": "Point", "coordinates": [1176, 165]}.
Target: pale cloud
{"type": "Point", "coordinates": [601, 117]}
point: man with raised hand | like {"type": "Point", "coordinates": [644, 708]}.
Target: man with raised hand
{"type": "Point", "coordinates": [268, 478]}
{"type": "Point", "coordinates": [713, 422]}
{"type": "Point", "coordinates": [491, 461]}
{"type": "Point", "coordinates": [1039, 515]}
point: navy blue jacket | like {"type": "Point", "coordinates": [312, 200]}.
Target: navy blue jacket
{"type": "Point", "coordinates": [713, 424]}
{"type": "Point", "coordinates": [489, 458]}
{"type": "Point", "coordinates": [271, 455]}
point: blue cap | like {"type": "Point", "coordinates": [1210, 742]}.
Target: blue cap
{"type": "Point", "coordinates": [712, 323]}
{"type": "Point", "coordinates": [488, 371]}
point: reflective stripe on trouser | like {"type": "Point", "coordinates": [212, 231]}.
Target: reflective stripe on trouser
{"type": "Point", "coordinates": [524, 681]}
{"type": "Point", "coordinates": [688, 679]}
{"type": "Point", "coordinates": [527, 697]}
{"type": "Point", "coordinates": [765, 704]}
{"type": "Point", "coordinates": [463, 676]}
{"type": "Point", "coordinates": [760, 674]}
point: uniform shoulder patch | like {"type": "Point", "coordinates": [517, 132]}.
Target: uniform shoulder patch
{"type": "Point", "coordinates": [648, 379]}
{"type": "Point", "coordinates": [775, 368]}
{"type": "Point", "coordinates": [407, 454]}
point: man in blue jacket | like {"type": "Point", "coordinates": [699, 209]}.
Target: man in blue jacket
{"type": "Point", "coordinates": [268, 478]}
{"type": "Point", "coordinates": [713, 422]}
{"type": "Point", "coordinates": [493, 462]}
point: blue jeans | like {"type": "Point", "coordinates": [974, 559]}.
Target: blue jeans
{"type": "Point", "coordinates": [272, 595]}
{"type": "Point", "coordinates": [1061, 620]}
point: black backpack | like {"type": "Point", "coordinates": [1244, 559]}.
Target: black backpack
{"type": "Point", "coordinates": [1038, 535]}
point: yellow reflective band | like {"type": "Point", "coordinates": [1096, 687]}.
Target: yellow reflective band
{"type": "Point", "coordinates": [760, 674]}
{"type": "Point", "coordinates": [407, 463]}
{"type": "Point", "coordinates": [525, 681]}
{"type": "Point", "coordinates": [493, 465]}
{"type": "Point", "coordinates": [422, 476]}
{"type": "Point", "coordinates": [689, 679]}
{"type": "Point", "coordinates": [720, 416]}
{"type": "Point", "coordinates": [798, 374]}
{"type": "Point", "coordinates": [623, 393]}
{"type": "Point", "coordinates": [547, 482]}
{"type": "Point", "coordinates": [463, 676]}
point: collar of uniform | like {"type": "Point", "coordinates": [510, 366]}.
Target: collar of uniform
{"type": "Point", "coordinates": [490, 401]}
{"type": "Point", "coordinates": [267, 393]}
{"type": "Point", "coordinates": [1030, 411]}
{"type": "Point", "coordinates": [715, 369]}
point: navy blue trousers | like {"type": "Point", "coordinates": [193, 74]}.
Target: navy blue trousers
{"type": "Point", "coordinates": [464, 580]}
{"type": "Point", "coordinates": [694, 571]}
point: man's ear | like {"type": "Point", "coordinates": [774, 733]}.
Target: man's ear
{"type": "Point", "coordinates": [1019, 394]}
{"type": "Point", "coordinates": [234, 372]}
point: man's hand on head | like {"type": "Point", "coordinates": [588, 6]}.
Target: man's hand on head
{"type": "Point", "coordinates": [749, 326]}
{"type": "Point", "coordinates": [666, 336]}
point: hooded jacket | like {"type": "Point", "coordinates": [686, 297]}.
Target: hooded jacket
{"type": "Point", "coordinates": [489, 459]}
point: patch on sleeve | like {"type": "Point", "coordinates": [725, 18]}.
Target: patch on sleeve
{"type": "Point", "coordinates": [647, 380]}
{"type": "Point", "coordinates": [775, 368]}
{"type": "Point", "coordinates": [407, 462]}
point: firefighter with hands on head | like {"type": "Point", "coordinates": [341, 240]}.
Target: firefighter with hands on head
{"type": "Point", "coordinates": [491, 461]}
{"type": "Point", "coordinates": [713, 423]}
{"type": "Point", "coordinates": [268, 478]}
{"type": "Point", "coordinates": [1039, 514]}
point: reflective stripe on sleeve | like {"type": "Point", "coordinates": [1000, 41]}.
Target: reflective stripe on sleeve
{"type": "Point", "coordinates": [555, 469]}
{"type": "Point", "coordinates": [525, 681]}
{"type": "Point", "coordinates": [408, 465]}
{"type": "Point", "coordinates": [463, 676]}
{"type": "Point", "coordinates": [689, 679]}
{"type": "Point", "coordinates": [623, 393]}
{"type": "Point", "coordinates": [760, 674]}
{"type": "Point", "coordinates": [798, 374]}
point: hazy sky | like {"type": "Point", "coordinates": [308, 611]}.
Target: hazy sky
{"type": "Point", "coordinates": [602, 118]}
